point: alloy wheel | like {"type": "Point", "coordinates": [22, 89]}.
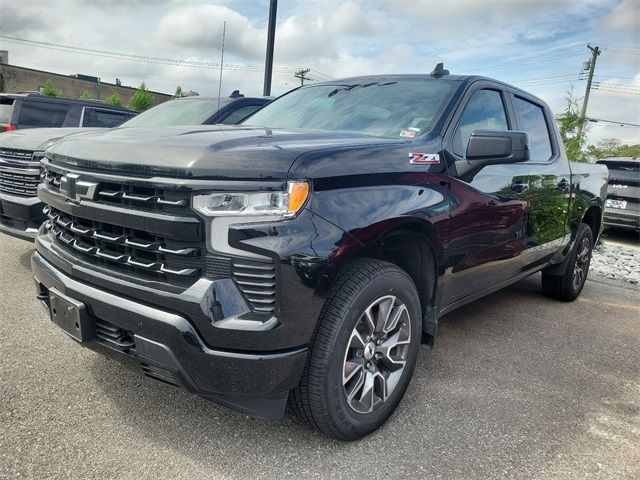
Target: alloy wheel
{"type": "Point", "coordinates": [376, 354]}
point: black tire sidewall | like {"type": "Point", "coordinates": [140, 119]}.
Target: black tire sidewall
{"type": "Point", "coordinates": [342, 416]}
{"type": "Point", "coordinates": [584, 231]}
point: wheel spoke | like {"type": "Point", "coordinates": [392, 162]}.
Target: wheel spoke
{"type": "Point", "coordinates": [369, 321]}
{"type": "Point", "coordinates": [351, 368]}
{"type": "Point", "coordinates": [355, 387]}
{"type": "Point", "coordinates": [357, 340]}
{"type": "Point", "coordinates": [401, 337]}
{"type": "Point", "coordinates": [394, 317]}
{"type": "Point", "coordinates": [384, 310]}
{"type": "Point", "coordinates": [366, 397]}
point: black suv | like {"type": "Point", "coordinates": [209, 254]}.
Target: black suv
{"type": "Point", "coordinates": [33, 110]}
{"type": "Point", "coordinates": [622, 208]}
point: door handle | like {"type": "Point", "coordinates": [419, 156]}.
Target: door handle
{"type": "Point", "coordinates": [519, 187]}
{"type": "Point", "coordinates": [564, 185]}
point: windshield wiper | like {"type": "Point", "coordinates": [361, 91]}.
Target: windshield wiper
{"type": "Point", "coordinates": [345, 88]}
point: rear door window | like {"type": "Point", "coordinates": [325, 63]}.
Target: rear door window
{"type": "Point", "coordinates": [239, 114]}
{"type": "Point", "coordinates": [42, 114]}
{"type": "Point", "coordinates": [531, 120]}
{"type": "Point", "coordinates": [484, 111]}
{"type": "Point", "coordinates": [94, 117]}
{"type": "Point", "coordinates": [6, 109]}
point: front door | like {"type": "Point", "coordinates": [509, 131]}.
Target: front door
{"type": "Point", "coordinates": [487, 227]}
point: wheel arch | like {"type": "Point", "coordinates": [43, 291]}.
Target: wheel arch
{"type": "Point", "coordinates": [593, 218]}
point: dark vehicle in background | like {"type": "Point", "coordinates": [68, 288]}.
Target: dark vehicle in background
{"type": "Point", "coordinates": [32, 110]}
{"type": "Point", "coordinates": [622, 208]}
{"type": "Point", "coordinates": [305, 254]}
{"type": "Point", "coordinates": [21, 150]}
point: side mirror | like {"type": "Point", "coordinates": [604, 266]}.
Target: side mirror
{"type": "Point", "coordinates": [491, 147]}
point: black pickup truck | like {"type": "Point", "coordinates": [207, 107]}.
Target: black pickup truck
{"type": "Point", "coordinates": [305, 254]}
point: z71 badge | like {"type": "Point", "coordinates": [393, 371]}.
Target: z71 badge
{"type": "Point", "coordinates": [424, 158]}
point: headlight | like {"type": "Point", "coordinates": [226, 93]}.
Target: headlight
{"type": "Point", "coordinates": [255, 204]}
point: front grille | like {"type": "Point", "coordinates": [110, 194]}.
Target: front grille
{"type": "Point", "coordinates": [622, 215]}
{"type": "Point", "coordinates": [257, 280]}
{"type": "Point", "coordinates": [133, 251]}
{"type": "Point", "coordinates": [16, 182]}
{"type": "Point", "coordinates": [135, 196]}
{"type": "Point", "coordinates": [15, 155]}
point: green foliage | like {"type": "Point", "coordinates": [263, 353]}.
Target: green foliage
{"type": "Point", "coordinates": [178, 93]}
{"type": "Point", "coordinates": [50, 91]}
{"type": "Point", "coordinates": [612, 147]}
{"type": "Point", "coordinates": [85, 95]}
{"type": "Point", "coordinates": [569, 123]}
{"type": "Point", "coordinates": [141, 100]}
{"type": "Point", "coordinates": [114, 100]}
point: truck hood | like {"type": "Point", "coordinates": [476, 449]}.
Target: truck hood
{"type": "Point", "coordinates": [36, 138]}
{"type": "Point", "coordinates": [213, 152]}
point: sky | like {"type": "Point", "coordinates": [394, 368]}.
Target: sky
{"type": "Point", "coordinates": [539, 45]}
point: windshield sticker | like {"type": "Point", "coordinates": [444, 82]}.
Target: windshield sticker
{"type": "Point", "coordinates": [407, 133]}
{"type": "Point", "coordinates": [424, 158]}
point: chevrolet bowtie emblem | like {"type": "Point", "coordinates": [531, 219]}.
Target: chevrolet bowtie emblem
{"type": "Point", "coordinates": [77, 189]}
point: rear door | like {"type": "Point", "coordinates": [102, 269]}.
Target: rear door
{"type": "Point", "coordinates": [35, 114]}
{"type": "Point", "coordinates": [550, 181]}
{"type": "Point", "coordinates": [488, 224]}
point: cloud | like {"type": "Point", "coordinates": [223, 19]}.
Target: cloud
{"type": "Point", "coordinates": [625, 17]}
{"type": "Point", "coordinates": [199, 28]}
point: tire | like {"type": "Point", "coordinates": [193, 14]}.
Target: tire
{"type": "Point", "coordinates": [568, 286]}
{"type": "Point", "coordinates": [348, 355]}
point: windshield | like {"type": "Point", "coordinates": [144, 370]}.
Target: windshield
{"type": "Point", "coordinates": [177, 113]}
{"type": "Point", "coordinates": [397, 108]}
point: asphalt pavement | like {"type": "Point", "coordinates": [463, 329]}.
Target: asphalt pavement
{"type": "Point", "coordinates": [518, 386]}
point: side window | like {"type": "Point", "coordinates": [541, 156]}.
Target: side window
{"type": "Point", "coordinates": [103, 118]}
{"type": "Point", "coordinates": [239, 114]}
{"type": "Point", "coordinates": [484, 111]}
{"type": "Point", "coordinates": [531, 120]}
{"type": "Point", "coordinates": [42, 114]}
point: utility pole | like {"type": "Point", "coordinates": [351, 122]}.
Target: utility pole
{"type": "Point", "coordinates": [302, 75]}
{"type": "Point", "coordinates": [224, 31]}
{"type": "Point", "coordinates": [271, 37]}
{"type": "Point", "coordinates": [595, 51]}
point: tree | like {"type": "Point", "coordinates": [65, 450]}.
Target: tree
{"type": "Point", "coordinates": [85, 95]}
{"type": "Point", "coordinates": [569, 123]}
{"type": "Point", "coordinates": [178, 93]}
{"type": "Point", "coordinates": [114, 100]}
{"type": "Point", "coordinates": [608, 145]}
{"type": "Point", "coordinates": [50, 91]}
{"type": "Point", "coordinates": [141, 100]}
{"type": "Point", "coordinates": [612, 147]}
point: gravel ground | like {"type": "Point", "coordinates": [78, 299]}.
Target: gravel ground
{"type": "Point", "coordinates": [618, 257]}
{"type": "Point", "coordinates": [518, 386]}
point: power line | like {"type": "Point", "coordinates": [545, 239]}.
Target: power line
{"type": "Point", "coordinates": [614, 123]}
{"type": "Point", "coordinates": [139, 58]}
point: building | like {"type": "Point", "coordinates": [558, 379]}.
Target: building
{"type": "Point", "coordinates": [14, 79]}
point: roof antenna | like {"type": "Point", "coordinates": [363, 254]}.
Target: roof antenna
{"type": "Point", "coordinates": [439, 71]}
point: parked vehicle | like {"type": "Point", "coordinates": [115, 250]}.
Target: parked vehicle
{"type": "Point", "coordinates": [20, 152]}
{"type": "Point", "coordinates": [306, 253]}
{"type": "Point", "coordinates": [32, 110]}
{"type": "Point", "coordinates": [622, 208]}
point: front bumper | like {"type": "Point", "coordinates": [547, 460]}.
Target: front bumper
{"type": "Point", "coordinates": [166, 347]}
{"type": "Point", "coordinates": [20, 216]}
{"type": "Point", "coordinates": [616, 217]}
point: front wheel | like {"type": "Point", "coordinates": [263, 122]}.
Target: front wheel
{"type": "Point", "coordinates": [568, 286]}
{"type": "Point", "coordinates": [363, 353]}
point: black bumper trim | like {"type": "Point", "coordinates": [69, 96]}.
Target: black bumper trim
{"type": "Point", "coordinates": [256, 384]}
